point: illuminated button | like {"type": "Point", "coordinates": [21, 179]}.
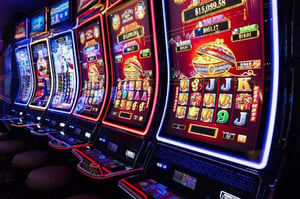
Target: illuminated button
{"type": "Point", "coordinates": [162, 191]}
{"type": "Point", "coordinates": [242, 138]}
{"type": "Point", "coordinates": [226, 195]}
{"type": "Point", "coordinates": [161, 186]}
{"type": "Point", "coordinates": [143, 183]}
{"type": "Point", "coordinates": [147, 189]}
{"type": "Point", "coordinates": [156, 195]}
{"type": "Point", "coordinates": [94, 165]}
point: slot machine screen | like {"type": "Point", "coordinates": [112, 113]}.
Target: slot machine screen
{"type": "Point", "coordinates": [92, 68]}
{"type": "Point", "coordinates": [21, 31]}
{"type": "Point", "coordinates": [133, 61]}
{"type": "Point", "coordinates": [43, 74]}
{"type": "Point", "coordinates": [217, 71]}
{"type": "Point", "coordinates": [38, 23]}
{"type": "Point", "coordinates": [63, 62]}
{"type": "Point", "coordinates": [60, 13]}
{"type": "Point", "coordinates": [83, 5]}
{"type": "Point", "coordinates": [23, 63]}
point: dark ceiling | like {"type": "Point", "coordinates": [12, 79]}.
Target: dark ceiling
{"type": "Point", "coordinates": [14, 10]}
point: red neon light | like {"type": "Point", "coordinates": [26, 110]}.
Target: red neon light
{"type": "Point", "coordinates": [106, 68]}
{"type": "Point", "coordinates": [132, 130]}
{"type": "Point", "coordinates": [126, 183]}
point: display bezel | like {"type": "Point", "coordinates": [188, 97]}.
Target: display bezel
{"type": "Point", "coordinates": [270, 106]}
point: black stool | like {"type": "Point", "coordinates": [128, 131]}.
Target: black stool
{"type": "Point", "coordinates": [83, 196]}
{"type": "Point", "coordinates": [7, 149]}
{"type": "Point", "coordinates": [49, 181]}
{"type": "Point", "coordinates": [30, 159]}
{"type": "Point", "coordinates": [10, 147]}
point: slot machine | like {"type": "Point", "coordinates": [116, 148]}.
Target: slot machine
{"type": "Point", "coordinates": [129, 122]}
{"type": "Point", "coordinates": [222, 126]}
{"type": "Point", "coordinates": [65, 70]}
{"type": "Point", "coordinates": [93, 69]}
{"type": "Point", "coordinates": [43, 79]}
{"type": "Point", "coordinates": [25, 73]}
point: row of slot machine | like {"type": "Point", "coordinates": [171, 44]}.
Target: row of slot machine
{"type": "Point", "coordinates": [161, 95]}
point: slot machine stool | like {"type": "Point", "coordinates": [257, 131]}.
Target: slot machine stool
{"type": "Point", "coordinates": [25, 161]}
{"type": "Point", "coordinates": [83, 196]}
{"type": "Point", "coordinates": [10, 147]}
{"type": "Point", "coordinates": [30, 159]}
{"type": "Point", "coordinates": [7, 149]}
{"type": "Point", "coordinates": [49, 179]}
{"type": "Point", "coordinates": [3, 136]}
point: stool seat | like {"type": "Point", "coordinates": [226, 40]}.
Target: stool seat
{"type": "Point", "coordinates": [8, 147]}
{"type": "Point", "coordinates": [49, 177]}
{"type": "Point", "coordinates": [3, 136]}
{"type": "Point", "coordinates": [83, 196]}
{"type": "Point", "coordinates": [30, 159]}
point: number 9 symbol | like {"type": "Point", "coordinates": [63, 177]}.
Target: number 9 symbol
{"type": "Point", "coordinates": [222, 117]}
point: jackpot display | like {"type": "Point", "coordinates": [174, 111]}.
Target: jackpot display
{"type": "Point", "coordinates": [43, 74]}
{"type": "Point", "coordinates": [217, 70]}
{"type": "Point", "coordinates": [133, 61]}
{"type": "Point", "coordinates": [62, 55]}
{"type": "Point", "coordinates": [93, 70]}
{"type": "Point", "coordinates": [25, 75]}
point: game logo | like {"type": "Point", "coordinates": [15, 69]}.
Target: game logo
{"type": "Point", "coordinates": [62, 54]}
{"type": "Point", "coordinates": [93, 70]}
{"type": "Point", "coordinates": [43, 74]}
{"type": "Point", "coordinates": [25, 75]}
{"type": "Point", "coordinates": [134, 67]}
